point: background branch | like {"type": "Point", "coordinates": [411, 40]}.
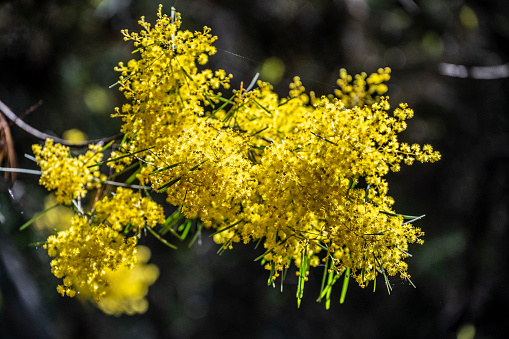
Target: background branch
{"type": "Point", "coordinates": [43, 136]}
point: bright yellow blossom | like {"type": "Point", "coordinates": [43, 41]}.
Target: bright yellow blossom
{"type": "Point", "coordinates": [128, 209]}
{"type": "Point", "coordinates": [83, 253]}
{"type": "Point", "coordinates": [69, 176]}
{"type": "Point", "coordinates": [303, 175]}
{"type": "Point", "coordinates": [260, 167]}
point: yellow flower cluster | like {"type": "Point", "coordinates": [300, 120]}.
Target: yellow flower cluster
{"type": "Point", "coordinates": [70, 176]}
{"type": "Point", "coordinates": [87, 254]}
{"type": "Point", "coordinates": [166, 80]}
{"type": "Point", "coordinates": [364, 90]}
{"type": "Point", "coordinates": [84, 252]}
{"type": "Point", "coordinates": [128, 211]}
{"type": "Point", "coordinates": [303, 175]}
{"type": "Point", "coordinates": [127, 288]}
{"type": "Point", "coordinates": [259, 167]}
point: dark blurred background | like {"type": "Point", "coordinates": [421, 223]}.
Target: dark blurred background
{"type": "Point", "coordinates": [450, 63]}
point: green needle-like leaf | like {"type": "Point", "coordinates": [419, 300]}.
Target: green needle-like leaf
{"type": "Point", "coordinates": [161, 239]}
{"type": "Point", "coordinates": [29, 222]}
{"type": "Point", "coordinates": [227, 227]}
{"type": "Point", "coordinates": [345, 285]}
{"type": "Point", "coordinates": [169, 184]}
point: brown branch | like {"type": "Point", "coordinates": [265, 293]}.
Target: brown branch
{"type": "Point", "coordinates": [7, 149]}
{"type": "Point", "coordinates": [43, 136]}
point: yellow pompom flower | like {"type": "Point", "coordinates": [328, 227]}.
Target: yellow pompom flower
{"type": "Point", "coordinates": [363, 90]}
{"type": "Point", "coordinates": [305, 176]}
{"type": "Point", "coordinates": [69, 176]}
{"type": "Point", "coordinates": [128, 209]}
{"type": "Point", "coordinates": [260, 167]}
{"type": "Point", "coordinates": [83, 253]}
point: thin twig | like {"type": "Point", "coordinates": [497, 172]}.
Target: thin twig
{"type": "Point", "coordinates": [43, 136]}
{"type": "Point", "coordinates": [30, 110]}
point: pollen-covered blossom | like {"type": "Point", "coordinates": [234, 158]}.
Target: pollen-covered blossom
{"type": "Point", "coordinates": [70, 176]}
{"type": "Point", "coordinates": [83, 254]}
{"type": "Point", "coordinates": [303, 175]}
{"type": "Point", "coordinates": [128, 209]}
{"type": "Point", "coordinates": [363, 90]}
{"type": "Point", "coordinates": [259, 167]}
{"type": "Point", "coordinates": [166, 83]}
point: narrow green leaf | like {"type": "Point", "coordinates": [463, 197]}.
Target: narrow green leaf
{"type": "Point", "coordinates": [271, 276]}
{"type": "Point", "coordinates": [387, 283]}
{"type": "Point", "coordinates": [263, 129]}
{"type": "Point", "coordinates": [107, 145]}
{"type": "Point", "coordinates": [324, 139]}
{"type": "Point", "coordinates": [29, 222]}
{"type": "Point", "coordinates": [258, 243]}
{"type": "Point", "coordinates": [331, 280]}
{"type": "Point", "coordinates": [304, 262]}
{"type": "Point", "coordinates": [100, 151]}
{"type": "Point", "coordinates": [123, 140]}
{"type": "Point", "coordinates": [352, 182]}
{"type": "Point", "coordinates": [271, 249]}
{"type": "Point", "coordinates": [169, 184]}
{"type": "Point", "coordinates": [196, 234]}
{"type": "Point", "coordinates": [171, 223]}
{"type": "Point", "coordinates": [227, 227]}
{"type": "Point", "coordinates": [37, 244]}
{"type": "Point", "coordinates": [378, 233]}
{"type": "Point", "coordinates": [224, 246]}
{"type": "Point", "coordinates": [121, 157]}
{"type": "Point", "coordinates": [158, 237]}
{"type": "Point", "coordinates": [166, 168]}
{"type": "Point", "coordinates": [126, 169]}
{"type": "Point", "coordinates": [261, 148]}
{"type": "Point", "coordinates": [226, 101]}
{"type": "Point", "coordinates": [283, 276]}
{"type": "Point", "coordinates": [324, 277]}
{"type": "Point", "coordinates": [345, 285]}
{"type": "Point", "coordinates": [184, 71]}
{"type": "Point", "coordinates": [187, 226]}
{"type": "Point", "coordinates": [410, 281]}
{"type": "Point", "coordinates": [172, 219]}
{"type": "Point", "coordinates": [196, 167]}
{"type": "Point", "coordinates": [262, 107]}
{"type": "Point", "coordinates": [251, 157]}
{"type": "Point", "coordinates": [287, 101]}
{"type": "Point", "coordinates": [209, 101]}
{"type": "Point", "coordinates": [132, 177]}
{"type": "Point", "coordinates": [231, 113]}
{"type": "Point", "coordinates": [321, 246]}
